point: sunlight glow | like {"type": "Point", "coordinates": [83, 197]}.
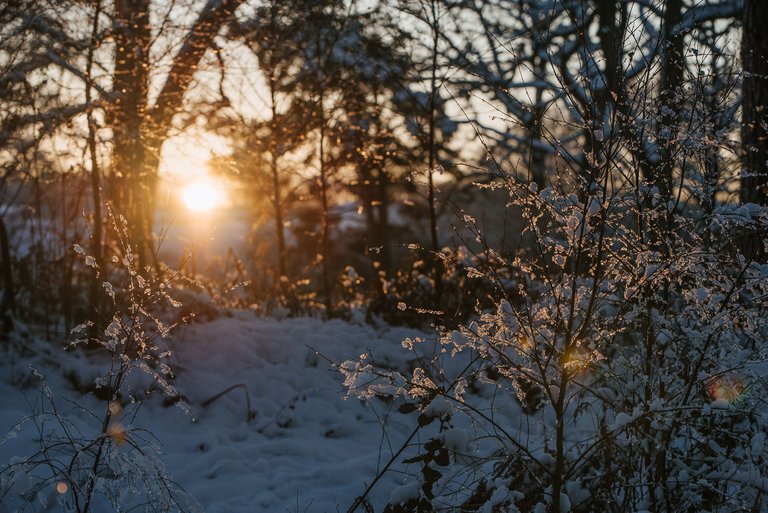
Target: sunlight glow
{"type": "Point", "coordinates": [202, 195]}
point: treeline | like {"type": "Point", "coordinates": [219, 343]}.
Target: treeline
{"type": "Point", "coordinates": [408, 114]}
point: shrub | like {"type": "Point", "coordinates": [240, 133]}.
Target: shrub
{"type": "Point", "coordinates": [98, 460]}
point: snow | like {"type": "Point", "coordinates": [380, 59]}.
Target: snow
{"type": "Point", "coordinates": [439, 407]}
{"type": "Point", "coordinates": [456, 439]}
{"type": "Point", "coordinates": [307, 446]}
{"type": "Point", "coordinates": [406, 492]}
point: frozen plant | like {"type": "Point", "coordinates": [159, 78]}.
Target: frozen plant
{"type": "Point", "coordinates": [626, 370]}
{"type": "Point", "coordinates": [98, 460]}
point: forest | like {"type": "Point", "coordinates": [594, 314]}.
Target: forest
{"type": "Point", "coordinates": [384, 256]}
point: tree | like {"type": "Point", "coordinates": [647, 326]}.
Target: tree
{"type": "Point", "coordinates": [600, 53]}
{"type": "Point", "coordinates": [343, 68]}
{"type": "Point", "coordinates": [271, 36]}
{"type": "Point", "coordinates": [89, 86]}
{"type": "Point", "coordinates": [139, 129]}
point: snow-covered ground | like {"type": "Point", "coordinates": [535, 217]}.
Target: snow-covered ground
{"type": "Point", "coordinates": [307, 448]}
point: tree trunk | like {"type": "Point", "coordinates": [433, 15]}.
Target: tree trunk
{"type": "Point", "coordinates": [97, 229]}
{"type": "Point", "coordinates": [536, 156]}
{"type": "Point", "coordinates": [8, 304]}
{"type": "Point", "coordinates": [673, 63]}
{"type": "Point", "coordinates": [437, 266]}
{"type": "Point", "coordinates": [131, 81]}
{"type": "Point", "coordinates": [382, 220]}
{"type": "Point", "coordinates": [432, 150]}
{"type": "Point", "coordinates": [611, 42]}
{"type": "Point", "coordinates": [276, 193]}
{"type": "Point", "coordinates": [754, 127]}
{"type": "Point", "coordinates": [278, 209]}
{"type": "Point", "coordinates": [324, 208]}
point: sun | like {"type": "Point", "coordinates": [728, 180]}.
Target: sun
{"type": "Point", "coordinates": [202, 195]}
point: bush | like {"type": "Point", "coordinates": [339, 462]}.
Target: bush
{"type": "Point", "coordinates": [99, 460]}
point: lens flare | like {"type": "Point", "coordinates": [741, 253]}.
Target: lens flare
{"type": "Point", "coordinates": [729, 388]}
{"type": "Point", "coordinates": [117, 433]}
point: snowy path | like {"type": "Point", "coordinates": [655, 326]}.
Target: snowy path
{"type": "Point", "coordinates": [306, 449]}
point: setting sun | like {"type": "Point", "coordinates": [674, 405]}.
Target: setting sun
{"type": "Point", "coordinates": [202, 196]}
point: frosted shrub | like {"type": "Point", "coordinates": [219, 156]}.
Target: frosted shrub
{"type": "Point", "coordinates": [101, 462]}
{"type": "Point", "coordinates": [626, 374]}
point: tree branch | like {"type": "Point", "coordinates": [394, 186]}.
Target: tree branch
{"type": "Point", "coordinates": [199, 39]}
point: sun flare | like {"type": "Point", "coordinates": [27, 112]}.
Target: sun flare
{"type": "Point", "coordinates": [202, 196]}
